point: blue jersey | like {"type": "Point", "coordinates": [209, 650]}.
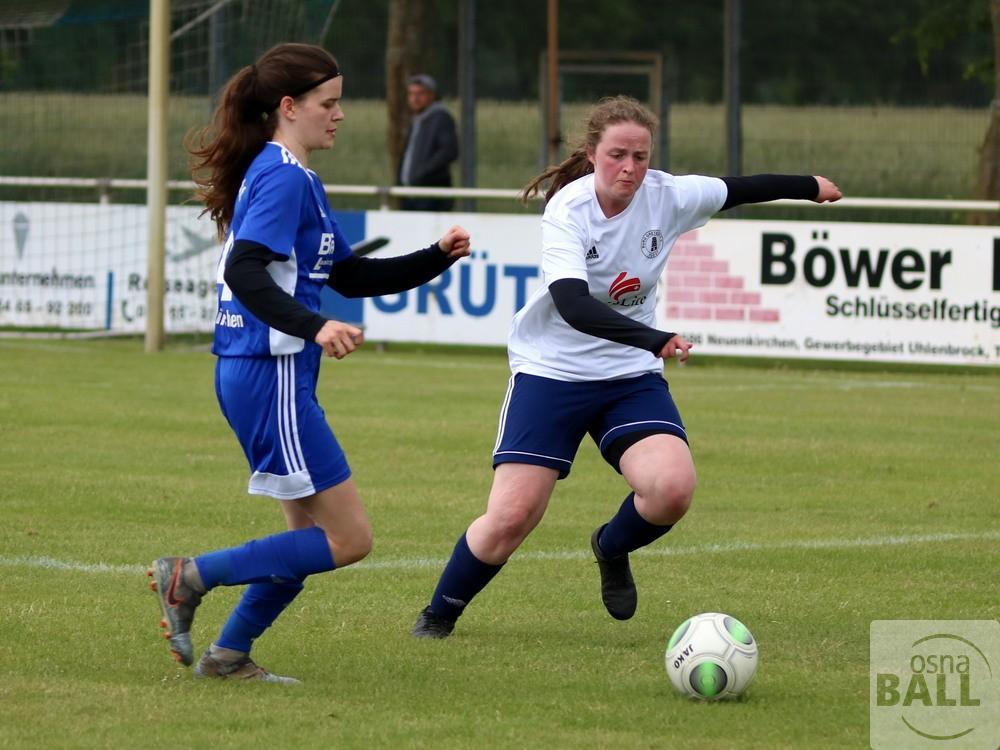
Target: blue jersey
{"type": "Point", "coordinates": [281, 205]}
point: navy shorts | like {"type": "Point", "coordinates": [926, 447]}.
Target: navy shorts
{"type": "Point", "coordinates": [543, 421]}
{"type": "Point", "coordinates": [270, 402]}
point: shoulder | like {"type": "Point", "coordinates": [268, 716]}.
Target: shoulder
{"type": "Point", "coordinates": [678, 186]}
{"type": "Point", "coordinates": [275, 165]}
{"type": "Point", "coordinates": [658, 180]}
{"type": "Point", "coordinates": [572, 198]}
{"type": "Point", "coordinates": [438, 115]}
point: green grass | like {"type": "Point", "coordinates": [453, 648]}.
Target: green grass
{"type": "Point", "coordinates": [113, 457]}
{"type": "Point", "coordinates": [870, 151]}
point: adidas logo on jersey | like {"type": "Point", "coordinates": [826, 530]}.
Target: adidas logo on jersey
{"type": "Point", "coordinates": [592, 255]}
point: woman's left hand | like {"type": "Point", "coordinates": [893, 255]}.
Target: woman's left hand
{"type": "Point", "coordinates": [677, 346]}
{"type": "Point", "coordinates": [828, 191]}
{"type": "Point", "coordinates": [455, 243]}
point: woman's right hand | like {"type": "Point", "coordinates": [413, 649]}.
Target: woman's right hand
{"type": "Point", "coordinates": [339, 339]}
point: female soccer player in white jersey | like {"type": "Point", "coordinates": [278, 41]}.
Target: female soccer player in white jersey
{"type": "Point", "coordinates": [282, 245]}
{"type": "Point", "coordinates": [586, 358]}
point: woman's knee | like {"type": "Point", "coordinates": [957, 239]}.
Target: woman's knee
{"type": "Point", "coordinates": [352, 547]}
{"type": "Point", "coordinates": [667, 497]}
{"type": "Point", "coordinates": [511, 523]}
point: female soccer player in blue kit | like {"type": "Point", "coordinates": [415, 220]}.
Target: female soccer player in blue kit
{"type": "Point", "coordinates": [282, 245]}
{"type": "Point", "coordinates": [586, 358]}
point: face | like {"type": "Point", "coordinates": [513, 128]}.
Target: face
{"type": "Point", "coordinates": [313, 118]}
{"type": "Point", "coordinates": [418, 98]}
{"type": "Point", "coordinates": [620, 161]}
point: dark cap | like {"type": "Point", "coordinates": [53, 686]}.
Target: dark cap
{"type": "Point", "coordinates": [422, 79]}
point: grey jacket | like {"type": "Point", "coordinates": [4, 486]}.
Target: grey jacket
{"type": "Point", "coordinates": [431, 147]}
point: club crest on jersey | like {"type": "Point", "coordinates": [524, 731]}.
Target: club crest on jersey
{"type": "Point", "coordinates": [652, 243]}
{"type": "Point", "coordinates": [592, 255]}
{"type": "Point", "coordinates": [623, 285]}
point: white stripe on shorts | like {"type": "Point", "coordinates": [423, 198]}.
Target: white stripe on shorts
{"type": "Point", "coordinates": [286, 403]}
{"type": "Point", "coordinates": [633, 424]}
{"type": "Point", "coordinates": [536, 455]}
{"type": "Point", "coordinates": [294, 412]}
{"type": "Point", "coordinates": [503, 413]}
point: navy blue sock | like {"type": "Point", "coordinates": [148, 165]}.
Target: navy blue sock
{"type": "Point", "coordinates": [464, 576]}
{"type": "Point", "coordinates": [259, 606]}
{"type": "Point", "coordinates": [628, 531]}
{"type": "Point", "coordinates": [280, 558]}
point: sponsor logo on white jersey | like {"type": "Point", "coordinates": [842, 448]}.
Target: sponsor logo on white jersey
{"type": "Point", "coordinates": [622, 286]}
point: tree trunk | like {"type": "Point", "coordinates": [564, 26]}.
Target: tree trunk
{"type": "Point", "coordinates": [403, 58]}
{"type": "Point", "coordinates": [988, 186]}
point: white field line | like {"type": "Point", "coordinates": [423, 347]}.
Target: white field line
{"type": "Point", "coordinates": [417, 563]}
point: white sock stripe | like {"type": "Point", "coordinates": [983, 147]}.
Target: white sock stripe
{"type": "Point", "coordinates": [414, 563]}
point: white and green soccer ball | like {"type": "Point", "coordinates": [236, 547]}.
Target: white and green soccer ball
{"type": "Point", "coordinates": [711, 656]}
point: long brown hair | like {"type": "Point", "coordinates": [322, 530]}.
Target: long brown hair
{"type": "Point", "coordinates": [609, 111]}
{"type": "Point", "coordinates": [246, 119]}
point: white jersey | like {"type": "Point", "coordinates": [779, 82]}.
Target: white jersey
{"type": "Point", "coordinates": [621, 259]}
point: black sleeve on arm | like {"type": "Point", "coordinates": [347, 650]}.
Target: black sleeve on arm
{"type": "Point", "coordinates": [768, 187]}
{"type": "Point", "coordinates": [591, 316]}
{"type": "Point", "coordinates": [246, 275]}
{"type": "Point", "coordinates": [373, 277]}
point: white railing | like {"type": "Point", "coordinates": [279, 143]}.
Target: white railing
{"type": "Point", "coordinates": [104, 186]}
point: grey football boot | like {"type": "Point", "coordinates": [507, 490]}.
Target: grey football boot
{"type": "Point", "coordinates": [242, 669]}
{"type": "Point", "coordinates": [178, 602]}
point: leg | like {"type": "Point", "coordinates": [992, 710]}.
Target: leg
{"type": "Point", "coordinates": [517, 502]}
{"type": "Point", "coordinates": [660, 470]}
{"type": "Point", "coordinates": [261, 603]}
{"type": "Point", "coordinates": [339, 514]}
{"type": "Point", "coordinates": [532, 452]}
{"type": "Point", "coordinates": [661, 473]}
{"type": "Point", "coordinates": [518, 499]}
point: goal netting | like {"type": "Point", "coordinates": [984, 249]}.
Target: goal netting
{"type": "Point", "coordinates": [73, 111]}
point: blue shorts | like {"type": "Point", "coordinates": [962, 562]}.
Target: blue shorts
{"type": "Point", "coordinates": [542, 421]}
{"type": "Point", "coordinates": [270, 402]}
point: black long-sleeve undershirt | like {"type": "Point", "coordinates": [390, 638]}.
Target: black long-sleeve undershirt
{"type": "Point", "coordinates": [760, 188]}
{"type": "Point", "coordinates": [247, 276]}
{"type": "Point", "coordinates": [589, 315]}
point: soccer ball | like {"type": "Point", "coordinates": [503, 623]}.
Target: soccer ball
{"type": "Point", "coordinates": [711, 656]}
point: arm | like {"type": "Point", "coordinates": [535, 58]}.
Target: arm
{"type": "Point", "coordinates": [589, 315]}
{"type": "Point", "coordinates": [246, 275]}
{"type": "Point", "coordinates": [373, 277]}
{"type": "Point", "coordinates": [768, 187]}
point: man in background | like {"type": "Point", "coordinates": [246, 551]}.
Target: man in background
{"type": "Point", "coordinates": [431, 145]}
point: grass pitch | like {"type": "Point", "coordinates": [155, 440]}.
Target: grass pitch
{"type": "Point", "coordinates": [828, 498]}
